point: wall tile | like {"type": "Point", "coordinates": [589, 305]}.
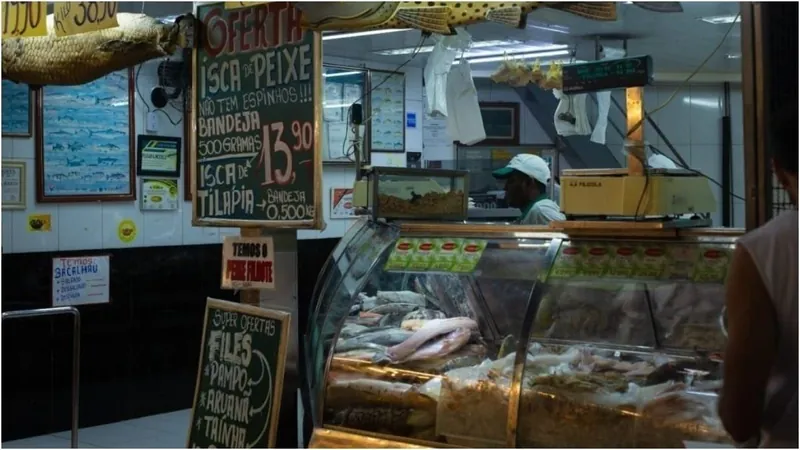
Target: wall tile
{"type": "Point", "coordinates": [81, 226]}
{"type": "Point", "coordinates": [32, 241]}
{"type": "Point", "coordinates": [8, 231]}
{"type": "Point", "coordinates": [113, 215]}
{"type": "Point", "coordinates": [675, 119]}
{"type": "Point", "coordinates": [196, 235]}
{"type": "Point", "coordinates": [162, 228]}
{"type": "Point", "coordinates": [706, 126]}
{"type": "Point", "coordinates": [707, 159]}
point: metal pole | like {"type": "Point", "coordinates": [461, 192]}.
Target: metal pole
{"type": "Point", "coordinates": [76, 352]}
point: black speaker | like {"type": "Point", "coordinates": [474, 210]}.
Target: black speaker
{"type": "Point", "coordinates": [356, 114]}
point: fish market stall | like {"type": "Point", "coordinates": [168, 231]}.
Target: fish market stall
{"type": "Point", "coordinates": [475, 335]}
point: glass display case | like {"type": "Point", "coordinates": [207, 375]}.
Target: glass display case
{"type": "Point", "coordinates": [403, 193]}
{"type": "Point", "coordinates": [503, 336]}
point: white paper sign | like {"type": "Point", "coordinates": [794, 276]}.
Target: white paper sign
{"type": "Point", "coordinates": [247, 263]}
{"type": "Point", "coordinates": [342, 203]}
{"type": "Point", "coordinates": [82, 280]}
{"type": "Point", "coordinates": [13, 185]}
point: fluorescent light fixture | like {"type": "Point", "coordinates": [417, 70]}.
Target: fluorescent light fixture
{"type": "Point", "coordinates": [734, 56]}
{"type": "Point", "coordinates": [341, 74]}
{"type": "Point", "coordinates": [517, 56]}
{"type": "Point", "coordinates": [721, 20]}
{"type": "Point", "coordinates": [337, 105]}
{"type": "Point", "coordinates": [331, 37]}
{"type": "Point", "coordinates": [429, 48]}
{"type": "Point", "coordinates": [702, 102]}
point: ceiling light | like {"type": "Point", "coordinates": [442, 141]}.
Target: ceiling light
{"type": "Point", "coordinates": [330, 37]}
{"type": "Point", "coordinates": [702, 102]}
{"type": "Point", "coordinates": [342, 74]}
{"type": "Point", "coordinates": [517, 56]}
{"type": "Point", "coordinates": [734, 56]}
{"type": "Point", "coordinates": [429, 48]}
{"type": "Point", "coordinates": [721, 20]}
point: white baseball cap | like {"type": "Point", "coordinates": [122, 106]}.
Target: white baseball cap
{"type": "Point", "coordinates": [531, 165]}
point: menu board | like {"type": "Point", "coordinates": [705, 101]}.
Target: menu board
{"type": "Point", "coordinates": [388, 118]}
{"type": "Point", "coordinates": [256, 84]}
{"type": "Point", "coordinates": [82, 280]}
{"type": "Point", "coordinates": [239, 377]}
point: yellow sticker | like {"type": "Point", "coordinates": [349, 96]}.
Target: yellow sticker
{"type": "Point", "coordinates": [24, 19]}
{"type": "Point", "coordinates": [81, 17]}
{"type": "Point", "coordinates": [39, 223]}
{"type": "Point", "coordinates": [236, 5]}
{"type": "Point", "coordinates": [126, 231]}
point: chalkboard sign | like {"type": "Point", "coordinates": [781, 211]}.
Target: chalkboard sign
{"type": "Point", "coordinates": [607, 74]}
{"type": "Point", "coordinates": [256, 82]}
{"type": "Point", "coordinates": [240, 377]}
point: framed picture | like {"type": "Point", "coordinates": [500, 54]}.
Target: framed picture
{"type": "Point", "coordinates": [17, 107]}
{"type": "Point", "coordinates": [501, 122]}
{"type": "Point", "coordinates": [188, 138]}
{"type": "Point", "coordinates": [14, 186]}
{"type": "Point", "coordinates": [342, 203]}
{"type": "Point", "coordinates": [387, 131]}
{"type": "Point", "coordinates": [342, 87]}
{"type": "Point", "coordinates": [85, 144]}
{"type": "Point", "coordinates": [158, 156]}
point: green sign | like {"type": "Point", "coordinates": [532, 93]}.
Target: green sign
{"type": "Point", "coordinates": [240, 377]}
{"type": "Point", "coordinates": [607, 74]}
{"type": "Point", "coordinates": [257, 108]}
{"type": "Point", "coordinates": [435, 255]}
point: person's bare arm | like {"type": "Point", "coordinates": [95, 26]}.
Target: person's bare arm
{"type": "Point", "coordinates": [751, 349]}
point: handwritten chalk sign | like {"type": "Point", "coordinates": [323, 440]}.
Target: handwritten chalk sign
{"type": "Point", "coordinates": [240, 377]}
{"type": "Point", "coordinates": [247, 263]}
{"type": "Point", "coordinates": [257, 109]}
{"type": "Point", "coordinates": [83, 280]}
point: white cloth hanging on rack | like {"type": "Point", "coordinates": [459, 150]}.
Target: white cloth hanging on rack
{"type": "Point", "coordinates": [574, 105]}
{"type": "Point", "coordinates": [438, 67]}
{"type": "Point", "coordinates": [600, 127]}
{"type": "Point", "coordinates": [464, 121]}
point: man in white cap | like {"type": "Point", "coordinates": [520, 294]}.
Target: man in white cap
{"type": "Point", "coordinates": [526, 179]}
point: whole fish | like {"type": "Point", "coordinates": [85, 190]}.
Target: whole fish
{"type": "Point", "coordinates": [428, 331]}
{"type": "Point", "coordinates": [81, 58]}
{"type": "Point", "coordinates": [385, 337]}
{"type": "Point", "coordinates": [348, 345]}
{"type": "Point", "coordinates": [394, 308]}
{"type": "Point", "coordinates": [387, 297]}
{"type": "Point", "coordinates": [424, 314]}
{"type": "Point", "coordinates": [444, 17]}
{"type": "Point", "coordinates": [469, 355]}
{"type": "Point", "coordinates": [442, 346]}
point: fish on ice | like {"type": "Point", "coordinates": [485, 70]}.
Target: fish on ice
{"type": "Point", "coordinates": [81, 58]}
{"type": "Point", "coordinates": [444, 17]}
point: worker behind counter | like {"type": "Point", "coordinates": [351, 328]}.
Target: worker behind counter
{"type": "Point", "coordinates": [526, 178]}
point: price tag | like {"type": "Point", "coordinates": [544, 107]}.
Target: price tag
{"type": "Point", "coordinates": [24, 19]}
{"type": "Point", "coordinates": [80, 17]}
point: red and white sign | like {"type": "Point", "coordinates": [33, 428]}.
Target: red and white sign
{"type": "Point", "coordinates": [342, 203]}
{"type": "Point", "coordinates": [248, 263]}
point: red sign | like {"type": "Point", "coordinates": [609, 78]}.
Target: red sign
{"type": "Point", "coordinates": [426, 246]}
{"type": "Point", "coordinates": [449, 246]}
{"type": "Point", "coordinates": [249, 271]}
{"type": "Point", "coordinates": [571, 251]}
{"type": "Point", "coordinates": [404, 246]}
{"type": "Point", "coordinates": [471, 248]}
{"type": "Point", "coordinates": [713, 254]}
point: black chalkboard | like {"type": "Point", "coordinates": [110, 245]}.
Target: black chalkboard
{"type": "Point", "coordinates": [607, 74]}
{"type": "Point", "coordinates": [256, 83]}
{"type": "Point", "coordinates": [239, 377]}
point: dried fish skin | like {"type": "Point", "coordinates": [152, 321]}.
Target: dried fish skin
{"type": "Point", "coordinates": [81, 58]}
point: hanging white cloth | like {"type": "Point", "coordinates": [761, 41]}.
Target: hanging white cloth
{"type": "Point", "coordinates": [603, 104]}
{"type": "Point", "coordinates": [438, 66]}
{"type": "Point", "coordinates": [575, 106]}
{"type": "Point", "coordinates": [464, 122]}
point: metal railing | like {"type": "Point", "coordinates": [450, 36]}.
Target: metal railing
{"type": "Point", "coordinates": [76, 352]}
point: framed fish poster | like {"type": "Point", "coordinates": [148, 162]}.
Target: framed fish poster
{"type": "Point", "coordinates": [85, 149]}
{"type": "Point", "coordinates": [17, 109]}
{"type": "Point", "coordinates": [387, 130]}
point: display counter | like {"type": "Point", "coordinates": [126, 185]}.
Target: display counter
{"type": "Point", "coordinates": [497, 335]}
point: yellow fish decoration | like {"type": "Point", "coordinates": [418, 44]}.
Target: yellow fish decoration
{"type": "Point", "coordinates": [444, 17]}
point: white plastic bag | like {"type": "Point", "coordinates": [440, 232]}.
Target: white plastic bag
{"type": "Point", "coordinates": [438, 66]}
{"type": "Point", "coordinates": [574, 105]}
{"type": "Point", "coordinates": [464, 123]}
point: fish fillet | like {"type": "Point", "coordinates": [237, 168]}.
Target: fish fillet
{"type": "Point", "coordinates": [82, 58]}
{"type": "Point", "coordinates": [428, 331]}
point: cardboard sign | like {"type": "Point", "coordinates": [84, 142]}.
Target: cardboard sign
{"type": "Point", "coordinates": [81, 280]}
{"type": "Point", "coordinates": [257, 80]}
{"type": "Point", "coordinates": [24, 19]}
{"type": "Point", "coordinates": [239, 377]}
{"type": "Point", "coordinates": [81, 17]}
{"type": "Point", "coordinates": [248, 263]}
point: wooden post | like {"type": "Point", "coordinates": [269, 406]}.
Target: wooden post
{"type": "Point", "coordinates": [250, 296]}
{"type": "Point", "coordinates": [634, 144]}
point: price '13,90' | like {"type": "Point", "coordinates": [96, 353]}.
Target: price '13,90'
{"type": "Point", "coordinates": [303, 134]}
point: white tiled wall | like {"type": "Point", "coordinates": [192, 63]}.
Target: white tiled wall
{"type": "Point", "coordinates": [692, 122]}
{"type": "Point", "coordinates": [94, 225]}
